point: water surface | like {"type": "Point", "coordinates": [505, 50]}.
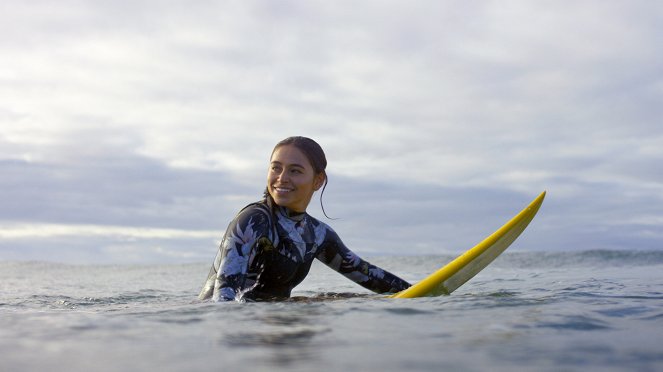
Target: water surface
{"type": "Point", "coordinates": [593, 310]}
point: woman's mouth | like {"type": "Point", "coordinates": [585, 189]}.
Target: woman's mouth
{"type": "Point", "coordinates": [282, 190]}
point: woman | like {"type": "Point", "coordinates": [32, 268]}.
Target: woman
{"type": "Point", "coordinates": [268, 248]}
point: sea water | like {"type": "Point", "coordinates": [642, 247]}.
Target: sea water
{"type": "Point", "coordinates": [582, 311]}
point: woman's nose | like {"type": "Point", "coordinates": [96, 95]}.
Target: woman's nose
{"type": "Point", "coordinates": [283, 176]}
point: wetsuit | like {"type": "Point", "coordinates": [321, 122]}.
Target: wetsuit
{"type": "Point", "coordinates": [267, 250]}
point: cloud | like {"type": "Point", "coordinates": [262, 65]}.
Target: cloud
{"type": "Point", "coordinates": [439, 119]}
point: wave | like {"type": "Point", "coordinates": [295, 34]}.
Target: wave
{"type": "Point", "coordinates": [586, 258]}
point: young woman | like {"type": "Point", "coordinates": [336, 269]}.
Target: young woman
{"type": "Point", "coordinates": [268, 248]}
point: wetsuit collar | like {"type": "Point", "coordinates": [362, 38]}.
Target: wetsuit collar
{"type": "Point", "coordinates": [295, 216]}
{"type": "Point", "coordinates": [285, 212]}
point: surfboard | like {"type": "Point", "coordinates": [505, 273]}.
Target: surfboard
{"type": "Point", "coordinates": [467, 265]}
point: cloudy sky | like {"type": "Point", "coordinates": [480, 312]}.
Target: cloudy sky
{"type": "Point", "coordinates": [133, 131]}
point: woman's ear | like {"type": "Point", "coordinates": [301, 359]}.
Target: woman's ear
{"type": "Point", "coordinates": [319, 180]}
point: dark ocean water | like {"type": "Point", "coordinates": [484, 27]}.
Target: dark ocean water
{"type": "Point", "coordinates": [582, 311]}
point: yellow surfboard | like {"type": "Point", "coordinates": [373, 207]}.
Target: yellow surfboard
{"type": "Point", "coordinates": [464, 267]}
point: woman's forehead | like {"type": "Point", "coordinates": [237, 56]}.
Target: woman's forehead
{"type": "Point", "coordinates": [290, 155]}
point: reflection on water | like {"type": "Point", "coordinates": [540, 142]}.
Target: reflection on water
{"type": "Point", "coordinates": [287, 334]}
{"type": "Point", "coordinates": [296, 338]}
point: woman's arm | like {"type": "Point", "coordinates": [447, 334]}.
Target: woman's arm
{"type": "Point", "coordinates": [337, 256]}
{"type": "Point", "coordinates": [238, 248]}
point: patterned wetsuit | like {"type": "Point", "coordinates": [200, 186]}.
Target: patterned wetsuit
{"type": "Point", "coordinates": [266, 251]}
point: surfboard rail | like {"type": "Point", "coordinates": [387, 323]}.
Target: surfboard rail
{"type": "Point", "coordinates": [448, 278]}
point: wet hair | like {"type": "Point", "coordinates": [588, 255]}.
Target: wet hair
{"type": "Point", "coordinates": [314, 154]}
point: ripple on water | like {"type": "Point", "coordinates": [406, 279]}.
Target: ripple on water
{"type": "Point", "coordinates": [576, 323]}
{"type": "Point", "coordinates": [406, 311]}
{"type": "Point", "coordinates": [296, 337]}
{"type": "Point", "coordinates": [623, 312]}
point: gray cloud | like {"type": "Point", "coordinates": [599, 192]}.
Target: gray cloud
{"type": "Point", "coordinates": [116, 190]}
{"type": "Point", "coordinates": [440, 119]}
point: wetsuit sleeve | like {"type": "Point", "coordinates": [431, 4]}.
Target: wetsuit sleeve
{"type": "Point", "coordinates": [338, 257]}
{"type": "Point", "coordinates": [238, 247]}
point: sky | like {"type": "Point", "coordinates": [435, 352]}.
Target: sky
{"type": "Point", "coordinates": [131, 132]}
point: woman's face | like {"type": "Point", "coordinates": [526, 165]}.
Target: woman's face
{"type": "Point", "coordinates": [291, 179]}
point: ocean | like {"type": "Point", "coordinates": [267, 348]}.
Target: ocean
{"type": "Point", "coordinates": [529, 311]}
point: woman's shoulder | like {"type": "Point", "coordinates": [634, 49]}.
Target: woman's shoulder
{"type": "Point", "coordinates": [315, 222]}
{"type": "Point", "coordinates": [322, 230]}
{"type": "Point", "coordinates": [255, 208]}
{"type": "Point", "coordinates": [257, 213]}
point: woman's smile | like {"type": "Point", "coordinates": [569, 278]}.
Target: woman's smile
{"type": "Point", "coordinates": [282, 190]}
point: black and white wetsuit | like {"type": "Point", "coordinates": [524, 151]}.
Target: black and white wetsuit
{"type": "Point", "coordinates": [266, 251]}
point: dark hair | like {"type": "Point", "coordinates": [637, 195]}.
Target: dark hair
{"type": "Point", "coordinates": [314, 154]}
